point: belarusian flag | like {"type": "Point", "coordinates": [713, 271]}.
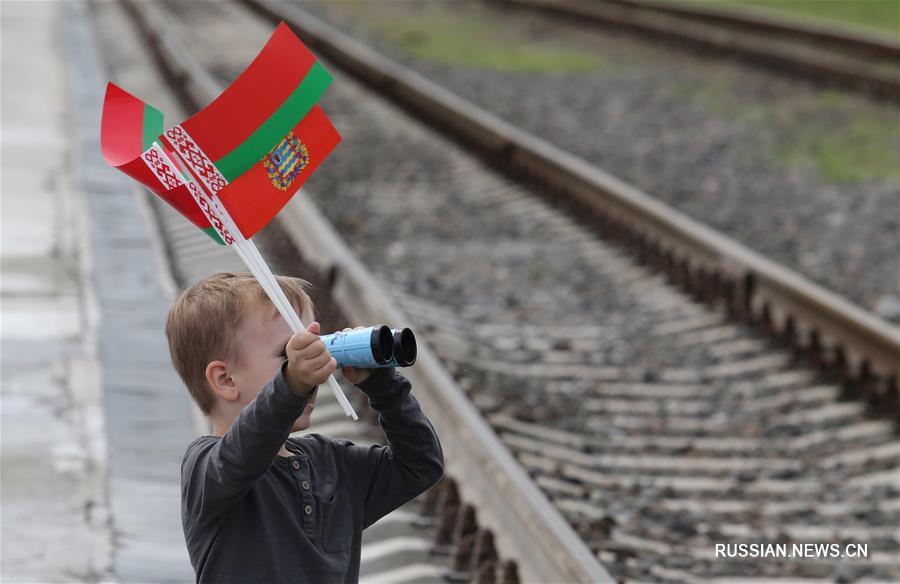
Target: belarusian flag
{"type": "Point", "coordinates": [265, 125]}
{"type": "Point", "coordinates": [260, 192]}
{"type": "Point", "coordinates": [128, 128]}
{"type": "Point", "coordinates": [261, 106]}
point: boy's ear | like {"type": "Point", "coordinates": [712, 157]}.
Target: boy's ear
{"type": "Point", "coordinates": [220, 381]}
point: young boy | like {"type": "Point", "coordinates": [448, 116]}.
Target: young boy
{"type": "Point", "coordinates": [258, 506]}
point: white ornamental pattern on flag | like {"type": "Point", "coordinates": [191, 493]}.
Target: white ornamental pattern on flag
{"type": "Point", "coordinates": [157, 161]}
{"type": "Point", "coordinates": [199, 162]}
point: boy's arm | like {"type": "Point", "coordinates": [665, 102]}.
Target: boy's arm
{"type": "Point", "coordinates": [411, 462]}
{"type": "Point", "coordinates": [217, 472]}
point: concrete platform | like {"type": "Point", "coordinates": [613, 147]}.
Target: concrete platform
{"type": "Point", "coordinates": [55, 515]}
{"type": "Point", "coordinates": [89, 492]}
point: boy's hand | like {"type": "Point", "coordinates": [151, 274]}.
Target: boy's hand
{"type": "Point", "coordinates": [353, 374]}
{"type": "Point", "coordinates": [309, 362]}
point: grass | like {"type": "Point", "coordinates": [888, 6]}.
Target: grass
{"type": "Point", "coordinates": [828, 133]}
{"type": "Point", "coordinates": [861, 149]}
{"type": "Point", "coordinates": [882, 15]}
{"type": "Point", "coordinates": [434, 31]}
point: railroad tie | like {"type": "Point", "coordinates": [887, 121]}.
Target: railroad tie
{"type": "Point", "coordinates": [484, 558]}
{"type": "Point", "coordinates": [508, 573]}
{"type": "Point", "coordinates": [448, 503]}
{"type": "Point", "coordinates": [463, 542]}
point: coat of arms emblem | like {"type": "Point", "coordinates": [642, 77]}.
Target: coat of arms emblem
{"type": "Point", "coordinates": [285, 161]}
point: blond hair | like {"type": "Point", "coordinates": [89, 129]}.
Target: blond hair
{"type": "Point", "coordinates": [202, 324]}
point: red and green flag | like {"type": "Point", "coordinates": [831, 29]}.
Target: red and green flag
{"type": "Point", "coordinates": [253, 146]}
{"type": "Point", "coordinates": [271, 182]}
{"type": "Point", "coordinates": [129, 128]}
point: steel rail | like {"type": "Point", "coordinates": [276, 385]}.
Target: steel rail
{"type": "Point", "coordinates": [745, 41]}
{"type": "Point", "coordinates": [846, 40]}
{"type": "Point", "coordinates": [526, 526]}
{"type": "Point", "coordinates": [862, 348]}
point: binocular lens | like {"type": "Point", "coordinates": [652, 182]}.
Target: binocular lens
{"type": "Point", "coordinates": [382, 344]}
{"type": "Point", "coordinates": [404, 347]}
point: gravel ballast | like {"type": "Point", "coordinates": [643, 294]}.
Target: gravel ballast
{"type": "Point", "coordinates": [804, 175]}
{"type": "Point", "coordinates": [655, 426]}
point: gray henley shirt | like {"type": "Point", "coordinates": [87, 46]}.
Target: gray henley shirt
{"type": "Point", "coordinates": [250, 515]}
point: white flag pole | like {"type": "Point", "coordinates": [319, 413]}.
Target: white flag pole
{"type": "Point", "coordinates": [276, 294]}
{"type": "Point", "coordinates": [254, 261]}
{"type": "Point", "coordinates": [251, 257]}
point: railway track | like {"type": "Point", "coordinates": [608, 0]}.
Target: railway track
{"type": "Point", "coordinates": [825, 54]}
{"type": "Point", "coordinates": [858, 346]}
{"type": "Point", "coordinates": [656, 425]}
{"type": "Point", "coordinates": [449, 533]}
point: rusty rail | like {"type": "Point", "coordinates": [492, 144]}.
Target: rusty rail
{"type": "Point", "coordinates": [844, 40]}
{"type": "Point", "coordinates": [812, 52]}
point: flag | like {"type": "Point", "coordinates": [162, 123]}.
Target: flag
{"type": "Point", "coordinates": [129, 126]}
{"type": "Point", "coordinates": [261, 106]}
{"type": "Point", "coordinates": [258, 194]}
{"type": "Point", "coordinates": [267, 116]}
{"type": "Point", "coordinates": [128, 129]}
{"type": "Point", "coordinates": [252, 147]}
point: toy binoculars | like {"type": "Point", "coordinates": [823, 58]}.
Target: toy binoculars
{"type": "Point", "coordinates": [372, 347]}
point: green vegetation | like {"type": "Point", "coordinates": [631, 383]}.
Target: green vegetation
{"type": "Point", "coordinates": [862, 149]}
{"type": "Point", "coordinates": [830, 133]}
{"type": "Point", "coordinates": [438, 32]}
{"type": "Point", "coordinates": [883, 15]}
{"type": "Point", "coordinates": [839, 137]}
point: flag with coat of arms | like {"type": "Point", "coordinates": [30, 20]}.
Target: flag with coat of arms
{"type": "Point", "coordinates": [253, 146]}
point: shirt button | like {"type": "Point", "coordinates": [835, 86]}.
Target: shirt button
{"type": "Point", "coordinates": [295, 464]}
{"type": "Point", "coordinates": [308, 509]}
{"type": "Point", "coordinates": [305, 484]}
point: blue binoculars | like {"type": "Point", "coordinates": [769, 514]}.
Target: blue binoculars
{"type": "Point", "coordinates": [372, 347]}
